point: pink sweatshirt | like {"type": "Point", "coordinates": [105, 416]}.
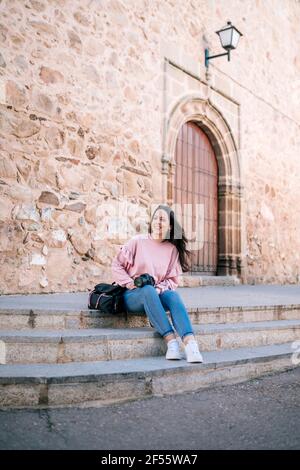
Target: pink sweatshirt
{"type": "Point", "coordinates": [142, 254]}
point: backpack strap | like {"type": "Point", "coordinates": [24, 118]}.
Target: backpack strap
{"type": "Point", "coordinates": [89, 301]}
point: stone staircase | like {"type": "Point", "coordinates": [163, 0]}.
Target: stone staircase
{"type": "Point", "coordinates": [196, 280]}
{"type": "Point", "coordinates": [68, 356]}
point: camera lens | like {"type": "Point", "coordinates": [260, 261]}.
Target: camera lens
{"type": "Point", "coordinates": [138, 282]}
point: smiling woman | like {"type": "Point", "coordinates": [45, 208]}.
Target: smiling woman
{"type": "Point", "coordinates": [143, 254]}
{"type": "Point", "coordinates": [160, 225]}
{"type": "Point", "coordinates": [162, 254]}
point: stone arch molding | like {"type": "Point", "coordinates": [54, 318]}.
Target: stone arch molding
{"type": "Point", "coordinates": [211, 120]}
{"type": "Point", "coordinates": [205, 114]}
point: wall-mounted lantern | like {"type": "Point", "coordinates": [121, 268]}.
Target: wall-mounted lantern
{"type": "Point", "coordinates": [229, 37]}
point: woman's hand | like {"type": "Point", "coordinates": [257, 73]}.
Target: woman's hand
{"type": "Point", "coordinates": [131, 285]}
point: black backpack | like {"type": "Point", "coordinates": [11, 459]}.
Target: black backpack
{"type": "Point", "coordinates": [108, 298]}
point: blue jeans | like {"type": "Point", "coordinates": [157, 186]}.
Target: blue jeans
{"type": "Point", "coordinates": [147, 300]}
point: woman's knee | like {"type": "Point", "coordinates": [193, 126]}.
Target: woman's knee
{"type": "Point", "coordinates": [133, 302]}
{"type": "Point", "coordinates": [172, 295]}
{"type": "Point", "coordinates": [148, 290]}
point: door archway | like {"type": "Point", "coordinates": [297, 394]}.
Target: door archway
{"type": "Point", "coordinates": [203, 112]}
{"type": "Point", "coordinates": [196, 191]}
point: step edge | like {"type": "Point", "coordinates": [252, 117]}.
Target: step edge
{"type": "Point", "coordinates": [86, 312]}
{"type": "Point", "coordinates": [82, 334]}
{"type": "Point", "coordinates": [82, 378]}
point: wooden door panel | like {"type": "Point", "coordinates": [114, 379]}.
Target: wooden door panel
{"type": "Point", "coordinates": [196, 182]}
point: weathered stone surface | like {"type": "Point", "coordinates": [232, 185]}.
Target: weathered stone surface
{"type": "Point", "coordinates": [19, 192]}
{"type": "Point", "coordinates": [44, 27]}
{"type": "Point", "coordinates": [54, 138]}
{"type": "Point", "coordinates": [81, 18]}
{"type": "Point", "coordinates": [7, 168]}
{"type": "Point", "coordinates": [85, 107]}
{"type": "Point", "coordinates": [2, 61]}
{"type": "Point", "coordinates": [24, 167]}
{"type": "Point", "coordinates": [72, 178]}
{"type": "Point", "coordinates": [112, 188]}
{"type": "Point", "coordinates": [11, 235]}
{"type": "Point", "coordinates": [43, 282]}
{"type": "Point", "coordinates": [15, 95]}
{"type": "Point", "coordinates": [74, 161]}
{"type": "Point", "coordinates": [80, 240]}
{"type": "Point", "coordinates": [102, 253]}
{"type": "Point", "coordinates": [131, 186]}
{"type": "Point", "coordinates": [21, 62]}
{"type": "Point", "coordinates": [65, 219]}
{"type": "Point", "coordinates": [74, 195]}
{"type": "Point", "coordinates": [26, 278]}
{"type": "Point", "coordinates": [91, 74]}
{"type": "Point", "coordinates": [50, 76]}
{"type": "Point", "coordinates": [74, 41]}
{"type": "Point", "coordinates": [95, 271]}
{"type": "Point", "coordinates": [75, 207]}
{"type": "Point", "coordinates": [37, 259]}
{"type": "Point", "coordinates": [75, 147]}
{"type": "Point", "coordinates": [58, 239]}
{"type": "Point", "coordinates": [31, 226]}
{"type": "Point", "coordinates": [43, 103]}
{"type": "Point", "coordinates": [5, 209]}
{"type": "Point", "coordinates": [25, 128]}
{"type": "Point", "coordinates": [37, 5]}
{"type": "Point", "coordinates": [46, 214]}
{"type": "Point", "coordinates": [26, 212]}
{"type": "Point", "coordinates": [58, 257]}
{"type": "Point", "coordinates": [266, 212]}
{"type": "Point", "coordinates": [90, 215]}
{"type": "Point", "coordinates": [92, 152]}
{"type": "Point", "coordinates": [47, 197]}
{"type": "Point", "coordinates": [46, 173]}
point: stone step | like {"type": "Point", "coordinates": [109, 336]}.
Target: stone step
{"type": "Point", "coordinates": [64, 318]}
{"type": "Point", "coordinates": [98, 383]}
{"type": "Point", "coordinates": [41, 346]}
{"type": "Point", "coordinates": [196, 280]}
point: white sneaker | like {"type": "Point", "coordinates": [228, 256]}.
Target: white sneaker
{"type": "Point", "coordinates": [192, 352]}
{"type": "Point", "coordinates": [173, 350]}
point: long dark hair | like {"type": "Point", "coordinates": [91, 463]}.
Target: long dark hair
{"type": "Point", "coordinates": [175, 235]}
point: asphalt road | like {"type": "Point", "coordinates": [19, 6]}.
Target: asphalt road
{"type": "Point", "coordinates": [260, 414]}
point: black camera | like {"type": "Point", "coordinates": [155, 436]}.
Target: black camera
{"type": "Point", "coordinates": [143, 280]}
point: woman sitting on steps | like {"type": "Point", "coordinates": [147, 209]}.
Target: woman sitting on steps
{"type": "Point", "coordinates": [161, 253]}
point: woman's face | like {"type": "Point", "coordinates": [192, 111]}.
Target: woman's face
{"type": "Point", "coordinates": [160, 224]}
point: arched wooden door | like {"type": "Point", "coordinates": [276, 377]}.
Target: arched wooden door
{"type": "Point", "coordinates": [196, 190]}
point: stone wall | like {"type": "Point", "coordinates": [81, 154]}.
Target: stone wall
{"type": "Point", "coordinates": [85, 96]}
